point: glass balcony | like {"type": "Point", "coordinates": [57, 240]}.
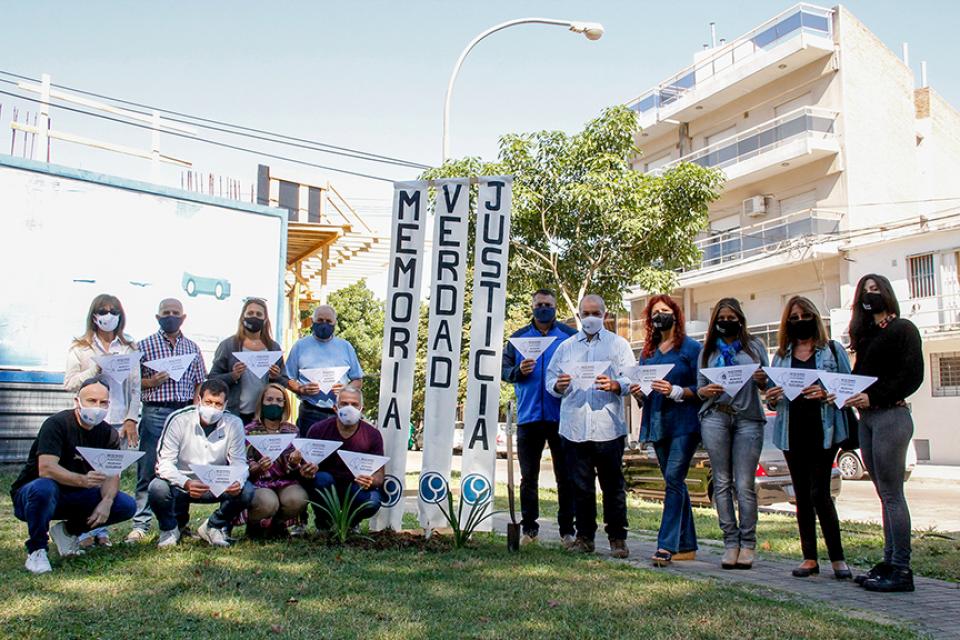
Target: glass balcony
{"type": "Point", "coordinates": [809, 21]}
{"type": "Point", "coordinates": [767, 237]}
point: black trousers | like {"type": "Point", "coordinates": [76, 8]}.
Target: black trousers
{"type": "Point", "coordinates": [810, 468]}
{"type": "Point", "coordinates": [532, 437]}
{"type": "Point", "coordinates": [589, 462]}
{"type": "Point", "coordinates": [310, 415]}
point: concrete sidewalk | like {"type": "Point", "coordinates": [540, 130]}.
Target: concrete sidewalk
{"type": "Point", "coordinates": [934, 608]}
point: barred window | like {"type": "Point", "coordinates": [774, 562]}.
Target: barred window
{"type": "Point", "coordinates": [922, 277]}
{"type": "Point", "coordinates": [946, 374]}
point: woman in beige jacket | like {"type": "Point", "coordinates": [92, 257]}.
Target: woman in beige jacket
{"type": "Point", "coordinates": [104, 336]}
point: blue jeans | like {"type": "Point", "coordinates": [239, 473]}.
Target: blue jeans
{"type": "Point", "coordinates": [324, 480]}
{"type": "Point", "coordinates": [171, 505]}
{"type": "Point", "coordinates": [43, 500]}
{"type": "Point", "coordinates": [152, 419]}
{"type": "Point", "coordinates": [734, 445]}
{"type": "Point", "coordinates": [677, 530]}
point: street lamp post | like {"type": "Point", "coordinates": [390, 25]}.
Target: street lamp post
{"type": "Point", "coordinates": [592, 31]}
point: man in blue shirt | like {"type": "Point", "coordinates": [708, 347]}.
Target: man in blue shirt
{"type": "Point", "coordinates": [321, 350]}
{"type": "Point", "coordinates": [538, 418]}
{"type": "Point", "coordinates": [588, 372]}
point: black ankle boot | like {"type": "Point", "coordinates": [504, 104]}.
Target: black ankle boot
{"type": "Point", "coordinates": [879, 570]}
{"type": "Point", "coordinates": [899, 579]}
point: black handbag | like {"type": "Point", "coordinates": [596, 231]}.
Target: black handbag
{"type": "Point", "coordinates": [853, 423]}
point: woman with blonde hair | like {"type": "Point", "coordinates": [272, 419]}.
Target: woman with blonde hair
{"type": "Point", "coordinates": [103, 336]}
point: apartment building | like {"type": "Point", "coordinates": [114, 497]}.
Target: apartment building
{"type": "Point", "coordinates": [836, 166]}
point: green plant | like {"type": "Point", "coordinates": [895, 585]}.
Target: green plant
{"type": "Point", "coordinates": [462, 531]}
{"type": "Point", "coordinates": [342, 512]}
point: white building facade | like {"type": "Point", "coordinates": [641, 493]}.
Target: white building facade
{"type": "Point", "coordinates": [836, 166]}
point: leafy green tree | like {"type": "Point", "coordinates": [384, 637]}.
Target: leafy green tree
{"type": "Point", "coordinates": [584, 221]}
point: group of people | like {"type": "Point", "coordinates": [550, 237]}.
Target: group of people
{"type": "Point", "coordinates": [585, 429]}
{"type": "Point", "coordinates": [199, 418]}
{"type": "Point", "coordinates": [204, 419]}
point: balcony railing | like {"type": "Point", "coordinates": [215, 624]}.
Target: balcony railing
{"type": "Point", "coordinates": [936, 314]}
{"type": "Point", "coordinates": [801, 18]}
{"type": "Point", "coordinates": [767, 237]}
{"type": "Point", "coordinates": [805, 122]}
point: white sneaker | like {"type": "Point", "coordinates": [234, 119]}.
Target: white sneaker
{"type": "Point", "coordinates": [68, 545]}
{"type": "Point", "coordinates": [212, 535]}
{"type": "Point", "coordinates": [297, 531]}
{"type": "Point", "coordinates": [37, 562]}
{"type": "Point", "coordinates": [168, 538]}
{"type": "Point", "coordinates": [136, 535]}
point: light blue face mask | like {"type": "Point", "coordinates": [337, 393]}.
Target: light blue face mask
{"type": "Point", "coordinates": [92, 415]}
{"type": "Point", "coordinates": [348, 415]}
{"type": "Point", "coordinates": [591, 324]}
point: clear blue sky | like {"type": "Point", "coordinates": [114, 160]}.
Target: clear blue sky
{"type": "Point", "coordinates": [371, 75]}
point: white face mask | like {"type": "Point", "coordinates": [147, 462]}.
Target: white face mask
{"type": "Point", "coordinates": [591, 324]}
{"type": "Point", "coordinates": [348, 415]}
{"type": "Point", "coordinates": [91, 415]}
{"type": "Point", "coordinates": [107, 321]}
{"type": "Point", "coordinates": [209, 415]}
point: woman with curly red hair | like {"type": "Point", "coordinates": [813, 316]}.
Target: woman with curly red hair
{"type": "Point", "coordinates": [670, 422]}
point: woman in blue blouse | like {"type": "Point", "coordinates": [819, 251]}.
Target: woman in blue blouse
{"type": "Point", "coordinates": [670, 422]}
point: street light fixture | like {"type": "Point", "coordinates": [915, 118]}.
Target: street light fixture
{"type": "Point", "coordinates": [590, 30]}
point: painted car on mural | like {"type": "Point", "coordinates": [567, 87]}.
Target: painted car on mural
{"type": "Point", "coordinates": [199, 285]}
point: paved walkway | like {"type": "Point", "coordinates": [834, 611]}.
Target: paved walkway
{"type": "Point", "coordinates": [934, 608]}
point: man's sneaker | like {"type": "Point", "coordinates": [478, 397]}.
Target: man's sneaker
{"type": "Point", "coordinates": [68, 545]}
{"type": "Point", "coordinates": [567, 540]}
{"type": "Point", "coordinates": [618, 549]}
{"type": "Point", "coordinates": [528, 538]}
{"type": "Point", "coordinates": [212, 535]}
{"type": "Point", "coordinates": [879, 570]}
{"type": "Point", "coordinates": [167, 538]}
{"type": "Point", "coordinates": [897, 580]}
{"type": "Point", "coordinates": [581, 545]}
{"type": "Point", "coordinates": [37, 562]}
{"type": "Point", "coordinates": [135, 536]}
{"type": "Point", "coordinates": [297, 531]}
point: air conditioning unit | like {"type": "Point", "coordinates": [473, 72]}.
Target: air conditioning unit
{"type": "Point", "coordinates": [754, 207]}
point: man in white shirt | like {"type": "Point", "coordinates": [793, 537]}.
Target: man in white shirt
{"type": "Point", "coordinates": [592, 425]}
{"type": "Point", "coordinates": [199, 434]}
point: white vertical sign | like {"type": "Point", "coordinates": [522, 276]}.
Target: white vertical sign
{"type": "Point", "coordinates": [486, 343]}
{"type": "Point", "coordinates": [400, 342]}
{"type": "Point", "coordinates": [449, 265]}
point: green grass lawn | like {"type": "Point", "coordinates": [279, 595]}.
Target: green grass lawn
{"type": "Point", "coordinates": [306, 589]}
{"type": "Point", "coordinates": [935, 555]}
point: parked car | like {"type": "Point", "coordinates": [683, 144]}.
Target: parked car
{"type": "Point", "coordinates": [642, 473]}
{"type": "Point", "coordinates": [197, 285]}
{"type": "Point", "coordinates": [501, 439]}
{"type": "Point", "coordinates": [852, 467]}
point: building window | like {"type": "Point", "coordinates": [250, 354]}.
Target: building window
{"type": "Point", "coordinates": [922, 277]}
{"type": "Point", "coordinates": [945, 374]}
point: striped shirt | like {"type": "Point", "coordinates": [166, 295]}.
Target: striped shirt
{"type": "Point", "coordinates": [157, 346]}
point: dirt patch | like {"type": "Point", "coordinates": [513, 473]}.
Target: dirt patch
{"type": "Point", "coordinates": [392, 541]}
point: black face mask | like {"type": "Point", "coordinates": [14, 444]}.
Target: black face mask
{"type": "Point", "coordinates": [802, 329]}
{"type": "Point", "coordinates": [253, 324]}
{"type": "Point", "coordinates": [728, 328]}
{"type": "Point", "coordinates": [873, 302]}
{"type": "Point", "coordinates": [662, 321]}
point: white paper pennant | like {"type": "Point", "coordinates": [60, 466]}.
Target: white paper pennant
{"type": "Point", "coordinates": [271, 445]}
{"type": "Point", "coordinates": [732, 379]}
{"type": "Point", "coordinates": [531, 348]}
{"type": "Point", "coordinates": [844, 385]}
{"type": "Point", "coordinates": [793, 381]}
{"type": "Point", "coordinates": [326, 377]}
{"type": "Point", "coordinates": [315, 451]}
{"type": "Point", "coordinates": [645, 375]}
{"type": "Point", "coordinates": [118, 367]}
{"type": "Point", "coordinates": [174, 366]}
{"type": "Point", "coordinates": [109, 462]}
{"type": "Point", "coordinates": [219, 477]}
{"type": "Point", "coordinates": [584, 374]}
{"type": "Point", "coordinates": [362, 464]}
{"type": "Point", "coordinates": [258, 362]}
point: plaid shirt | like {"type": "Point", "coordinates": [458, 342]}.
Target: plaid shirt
{"type": "Point", "coordinates": [157, 346]}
